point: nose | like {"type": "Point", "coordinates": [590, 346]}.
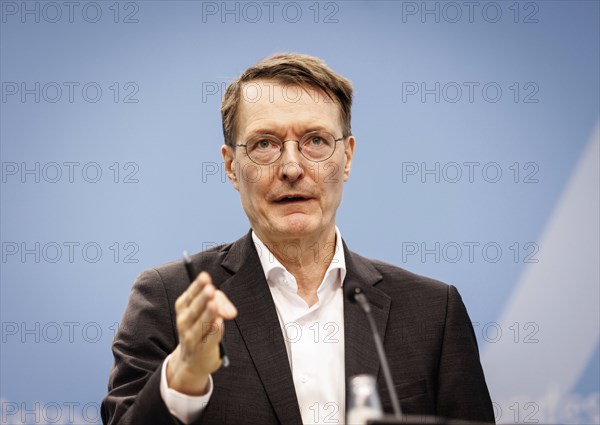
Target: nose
{"type": "Point", "coordinates": [291, 167]}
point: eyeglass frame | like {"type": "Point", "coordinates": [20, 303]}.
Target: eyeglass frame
{"type": "Point", "coordinates": [283, 142]}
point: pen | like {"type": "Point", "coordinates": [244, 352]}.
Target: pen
{"type": "Point", "coordinates": [192, 276]}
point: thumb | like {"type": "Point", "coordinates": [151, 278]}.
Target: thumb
{"type": "Point", "coordinates": [225, 307]}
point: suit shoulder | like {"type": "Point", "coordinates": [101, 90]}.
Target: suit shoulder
{"type": "Point", "coordinates": [200, 260]}
{"type": "Point", "coordinates": [173, 275]}
{"type": "Point", "coordinates": [396, 275]}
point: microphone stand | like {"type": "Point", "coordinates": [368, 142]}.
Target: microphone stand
{"type": "Point", "coordinates": [356, 294]}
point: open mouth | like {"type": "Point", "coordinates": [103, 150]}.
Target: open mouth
{"type": "Point", "coordinates": [291, 199]}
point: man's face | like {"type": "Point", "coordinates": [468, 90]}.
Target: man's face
{"type": "Point", "coordinates": [315, 189]}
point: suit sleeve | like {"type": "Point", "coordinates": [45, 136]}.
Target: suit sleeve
{"type": "Point", "coordinates": [144, 339]}
{"type": "Point", "coordinates": [462, 391]}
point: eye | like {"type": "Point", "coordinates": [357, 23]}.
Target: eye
{"type": "Point", "coordinates": [263, 144]}
{"type": "Point", "coordinates": [316, 141]}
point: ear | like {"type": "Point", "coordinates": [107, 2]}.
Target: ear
{"type": "Point", "coordinates": [349, 153]}
{"type": "Point", "coordinates": [231, 165]}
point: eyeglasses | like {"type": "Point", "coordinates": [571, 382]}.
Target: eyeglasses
{"type": "Point", "coordinates": [265, 149]}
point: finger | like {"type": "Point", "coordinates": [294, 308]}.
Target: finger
{"type": "Point", "coordinates": [198, 305]}
{"type": "Point", "coordinates": [190, 314]}
{"type": "Point", "coordinates": [215, 302]}
{"type": "Point", "coordinates": [196, 336]}
{"type": "Point", "coordinates": [192, 291]}
{"type": "Point", "coordinates": [188, 296]}
{"type": "Point", "coordinates": [205, 277]}
{"type": "Point", "coordinates": [208, 328]}
{"type": "Point", "coordinates": [198, 284]}
{"type": "Point", "coordinates": [225, 307]}
{"type": "Point", "coordinates": [181, 302]}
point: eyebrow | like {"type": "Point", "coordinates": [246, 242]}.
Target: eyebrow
{"type": "Point", "coordinates": [272, 132]}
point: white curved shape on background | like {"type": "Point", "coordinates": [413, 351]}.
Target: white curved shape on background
{"type": "Point", "coordinates": [560, 295]}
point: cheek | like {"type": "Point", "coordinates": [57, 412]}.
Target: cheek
{"type": "Point", "coordinates": [253, 187]}
{"type": "Point", "coordinates": [250, 174]}
{"type": "Point", "coordinates": [331, 175]}
{"type": "Point", "coordinates": [333, 182]}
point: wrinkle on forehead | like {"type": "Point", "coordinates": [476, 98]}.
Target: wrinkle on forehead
{"type": "Point", "coordinates": [277, 108]}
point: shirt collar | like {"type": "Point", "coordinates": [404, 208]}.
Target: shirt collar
{"type": "Point", "coordinates": [270, 264]}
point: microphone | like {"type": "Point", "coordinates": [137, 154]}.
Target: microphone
{"type": "Point", "coordinates": [354, 293]}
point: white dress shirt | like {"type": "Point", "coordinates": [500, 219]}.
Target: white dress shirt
{"type": "Point", "coordinates": [314, 340]}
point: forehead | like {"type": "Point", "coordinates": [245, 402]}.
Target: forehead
{"type": "Point", "coordinates": [283, 108]}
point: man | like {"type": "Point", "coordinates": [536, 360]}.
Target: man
{"type": "Point", "coordinates": [276, 294]}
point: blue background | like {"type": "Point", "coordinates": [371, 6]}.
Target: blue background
{"type": "Point", "coordinates": [163, 129]}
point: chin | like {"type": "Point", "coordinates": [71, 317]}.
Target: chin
{"type": "Point", "coordinates": [296, 226]}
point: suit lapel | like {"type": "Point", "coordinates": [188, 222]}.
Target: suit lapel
{"type": "Point", "coordinates": [259, 326]}
{"type": "Point", "coordinates": [360, 353]}
{"type": "Point", "coordinates": [260, 329]}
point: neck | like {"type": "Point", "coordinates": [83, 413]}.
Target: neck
{"type": "Point", "coordinates": [306, 258]}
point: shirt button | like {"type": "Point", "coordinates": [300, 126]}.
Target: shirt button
{"type": "Point", "coordinates": [304, 379]}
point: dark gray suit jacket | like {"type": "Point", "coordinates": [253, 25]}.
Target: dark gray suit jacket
{"type": "Point", "coordinates": [426, 331]}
